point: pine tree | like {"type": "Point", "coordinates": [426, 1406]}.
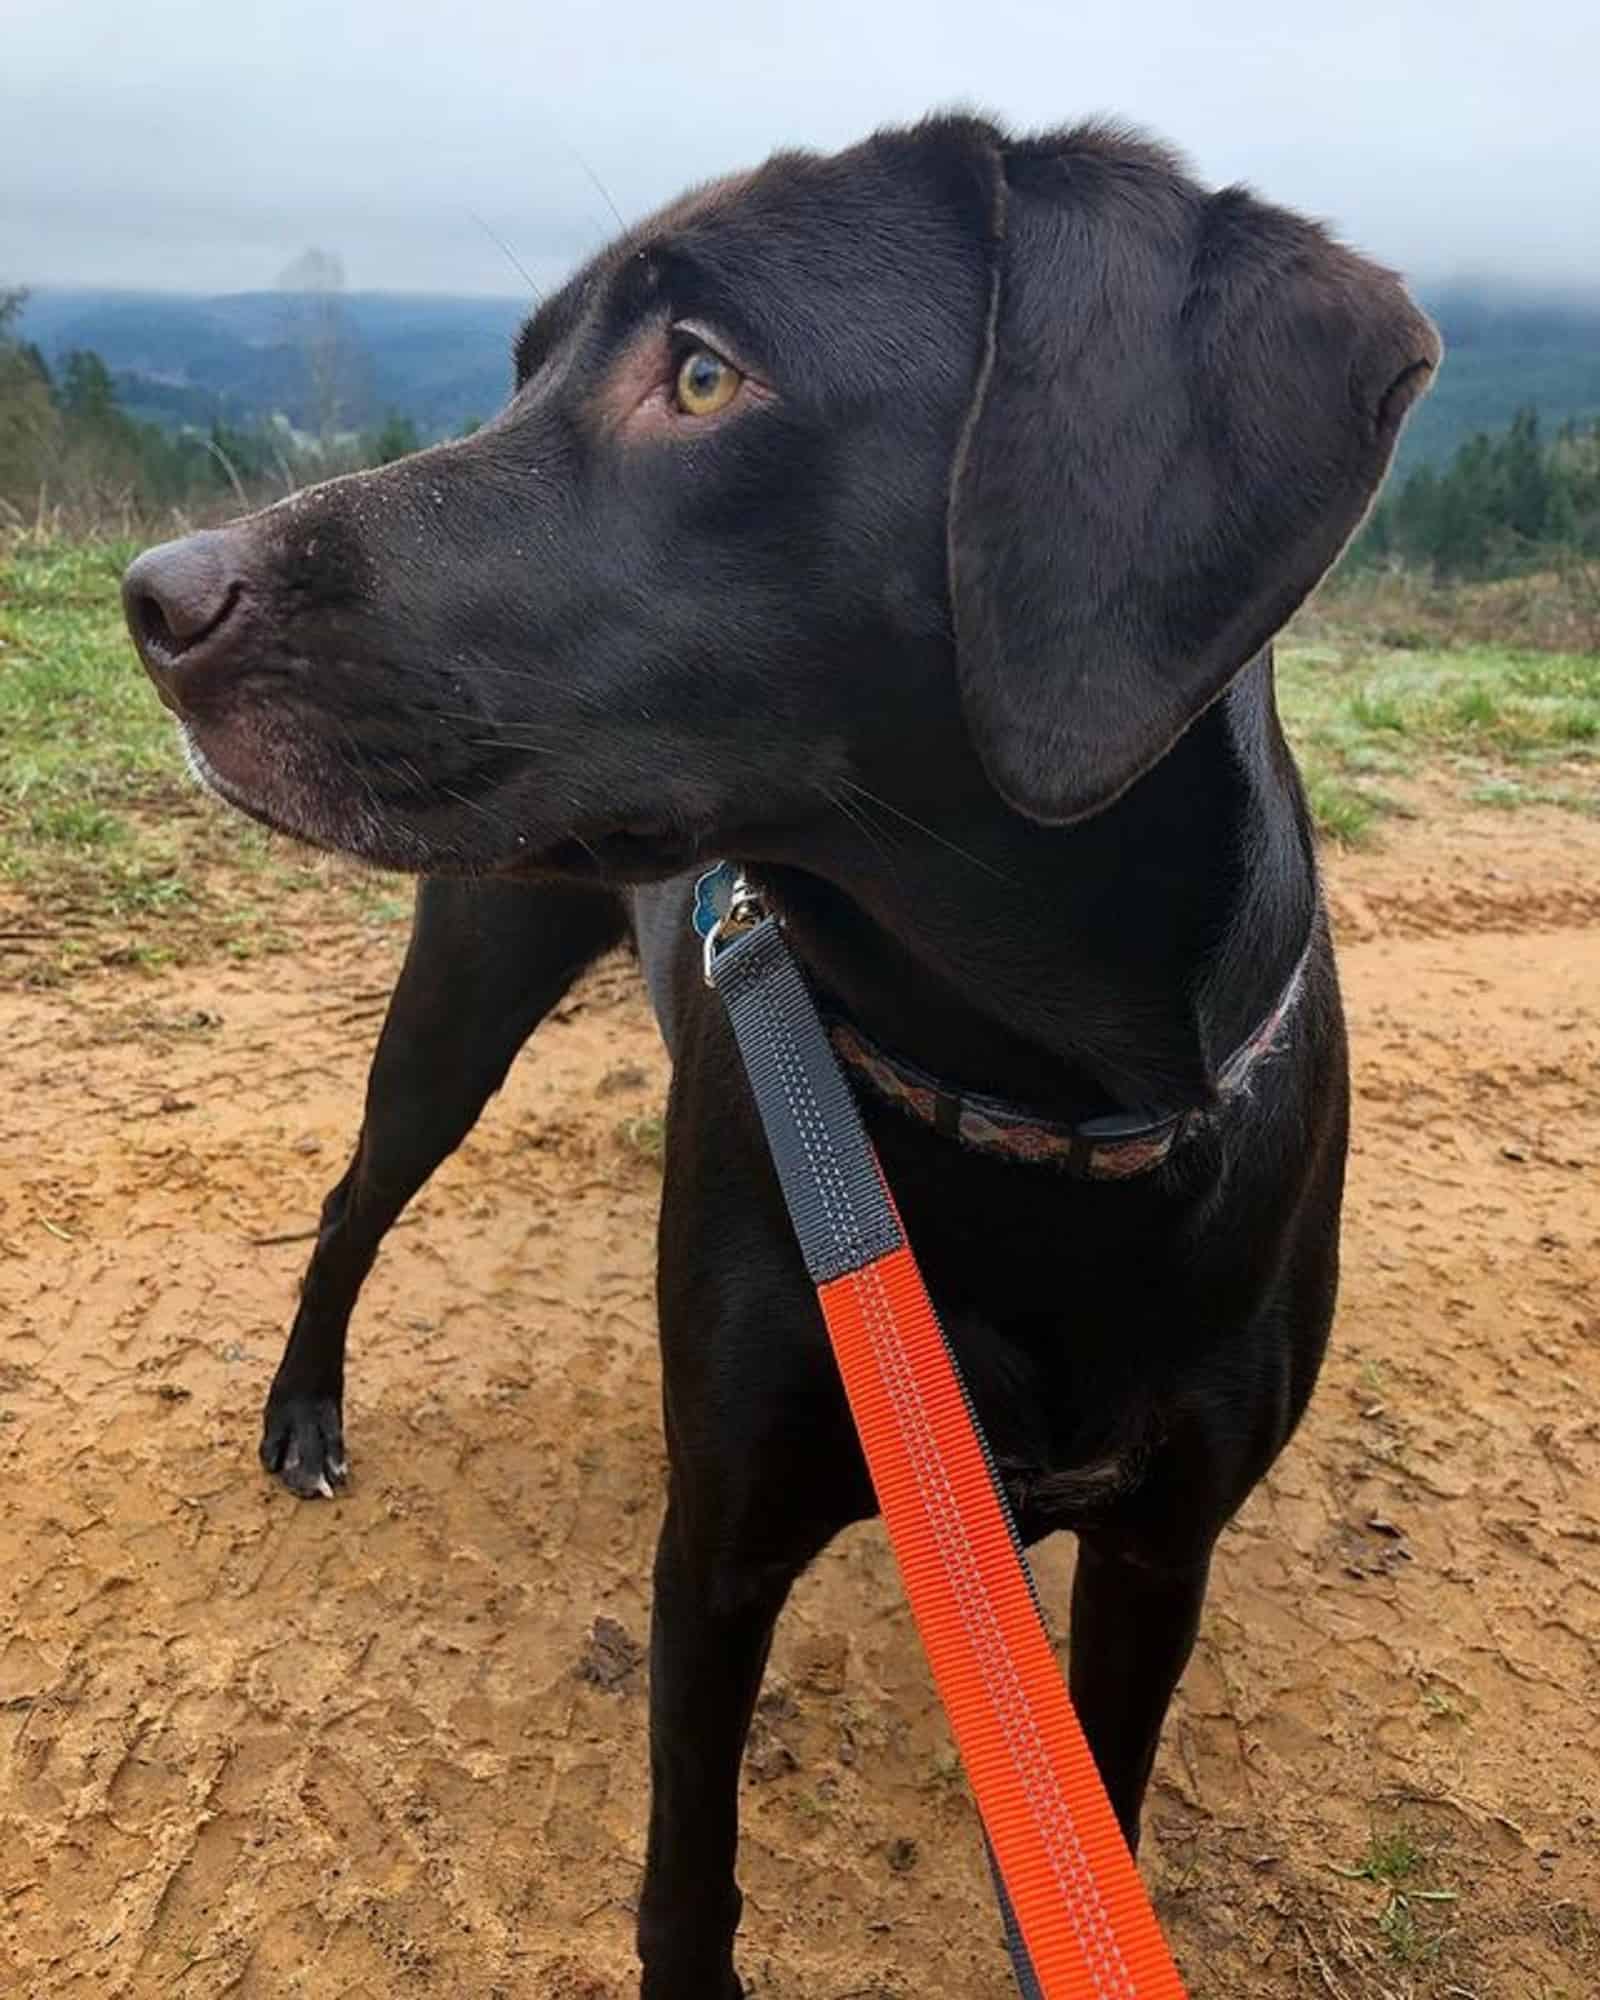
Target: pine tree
{"type": "Point", "coordinates": [29, 425]}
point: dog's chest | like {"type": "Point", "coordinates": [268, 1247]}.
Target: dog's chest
{"type": "Point", "coordinates": [1067, 1426]}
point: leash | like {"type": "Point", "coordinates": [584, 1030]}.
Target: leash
{"type": "Point", "coordinates": [1078, 1923]}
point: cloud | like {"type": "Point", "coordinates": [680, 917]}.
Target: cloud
{"type": "Point", "coordinates": [188, 146]}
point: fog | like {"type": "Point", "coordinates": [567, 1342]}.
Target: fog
{"type": "Point", "coordinates": [180, 146]}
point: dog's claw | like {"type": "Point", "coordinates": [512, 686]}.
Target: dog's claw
{"type": "Point", "coordinates": [302, 1442]}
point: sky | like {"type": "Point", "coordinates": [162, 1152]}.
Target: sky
{"type": "Point", "coordinates": [175, 146]}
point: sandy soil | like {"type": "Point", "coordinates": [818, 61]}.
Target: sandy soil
{"type": "Point", "coordinates": [394, 1745]}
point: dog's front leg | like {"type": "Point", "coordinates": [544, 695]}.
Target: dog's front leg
{"type": "Point", "coordinates": [765, 1471]}
{"type": "Point", "coordinates": [487, 961]}
{"type": "Point", "coordinates": [1133, 1629]}
{"type": "Point", "coordinates": [711, 1632]}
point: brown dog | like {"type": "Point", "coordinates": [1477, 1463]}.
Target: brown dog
{"type": "Point", "coordinates": [911, 525]}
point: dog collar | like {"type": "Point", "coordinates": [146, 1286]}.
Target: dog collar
{"type": "Point", "coordinates": [1115, 1147]}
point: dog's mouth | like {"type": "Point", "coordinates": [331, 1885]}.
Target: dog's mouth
{"type": "Point", "coordinates": [299, 783]}
{"type": "Point", "coordinates": [283, 782]}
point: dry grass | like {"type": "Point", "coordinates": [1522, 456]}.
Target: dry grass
{"type": "Point", "coordinates": [1555, 610]}
{"type": "Point", "coordinates": [113, 518]}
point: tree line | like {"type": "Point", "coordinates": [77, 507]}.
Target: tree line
{"type": "Point", "coordinates": [1508, 501]}
{"type": "Point", "coordinates": [67, 443]}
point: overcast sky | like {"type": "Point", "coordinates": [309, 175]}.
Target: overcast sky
{"type": "Point", "coordinates": [186, 146]}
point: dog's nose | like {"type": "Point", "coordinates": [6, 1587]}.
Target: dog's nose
{"type": "Point", "coordinates": [178, 600]}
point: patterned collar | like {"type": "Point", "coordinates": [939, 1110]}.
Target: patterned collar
{"type": "Point", "coordinates": [1114, 1148]}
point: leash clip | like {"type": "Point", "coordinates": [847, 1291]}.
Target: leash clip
{"type": "Point", "coordinates": [726, 907]}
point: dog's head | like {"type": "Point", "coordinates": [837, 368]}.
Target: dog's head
{"type": "Point", "coordinates": [1029, 446]}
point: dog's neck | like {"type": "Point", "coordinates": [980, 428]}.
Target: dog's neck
{"type": "Point", "coordinates": [1111, 965]}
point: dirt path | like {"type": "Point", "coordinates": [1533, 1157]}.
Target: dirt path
{"type": "Point", "coordinates": [395, 1745]}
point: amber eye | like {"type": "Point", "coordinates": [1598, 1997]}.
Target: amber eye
{"type": "Point", "coordinates": [706, 383]}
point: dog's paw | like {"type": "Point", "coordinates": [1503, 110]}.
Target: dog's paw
{"type": "Point", "coordinates": [302, 1442]}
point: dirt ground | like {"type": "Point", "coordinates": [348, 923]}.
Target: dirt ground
{"type": "Point", "coordinates": [395, 1745]}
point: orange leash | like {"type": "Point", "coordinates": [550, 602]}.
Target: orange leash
{"type": "Point", "coordinates": [1080, 1924]}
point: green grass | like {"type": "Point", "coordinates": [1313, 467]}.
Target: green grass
{"type": "Point", "coordinates": [81, 736]}
{"type": "Point", "coordinates": [1393, 1855]}
{"type": "Point", "coordinates": [645, 1136]}
{"type": "Point", "coordinates": [1509, 727]}
{"type": "Point", "coordinates": [1411, 1918]}
{"type": "Point", "coordinates": [107, 848]}
{"type": "Point", "coordinates": [1342, 811]}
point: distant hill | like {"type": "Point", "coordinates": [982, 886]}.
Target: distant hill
{"type": "Point", "coordinates": [445, 361]}
{"type": "Point", "coordinates": [1505, 349]}
{"type": "Point", "coordinates": [184, 359]}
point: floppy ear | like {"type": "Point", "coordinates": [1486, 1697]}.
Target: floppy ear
{"type": "Point", "coordinates": [1186, 404]}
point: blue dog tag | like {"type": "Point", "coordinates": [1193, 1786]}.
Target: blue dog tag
{"type": "Point", "coordinates": [713, 897]}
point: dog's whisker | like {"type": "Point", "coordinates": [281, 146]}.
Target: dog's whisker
{"type": "Point", "coordinates": [484, 812]}
{"type": "Point", "coordinates": [965, 854]}
{"type": "Point", "coordinates": [393, 762]}
{"type": "Point", "coordinates": [380, 821]}
{"type": "Point", "coordinates": [859, 818]}
{"type": "Point", "coordinates": [509, 743]}
{"type": "Point", "coordinates": [598, 185]}
{"type": "Point", "coordinates": [468, 670]}
{"type": "Point", "coordinates": [511, 256]}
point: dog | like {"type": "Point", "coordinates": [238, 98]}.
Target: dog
{"type": "Point", "coordinates": [912, 525]}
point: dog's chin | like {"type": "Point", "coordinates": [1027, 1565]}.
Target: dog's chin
{"type": "Point", "coordinates": [283, 785]}
{"type": "Point", "coordinates": [280, 785]}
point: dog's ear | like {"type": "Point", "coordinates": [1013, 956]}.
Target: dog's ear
{"type": "Point", "coordinates": [1185, 406]}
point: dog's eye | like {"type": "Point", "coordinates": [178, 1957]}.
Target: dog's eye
{"type": "Point", "coordinates": [706, 383]}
